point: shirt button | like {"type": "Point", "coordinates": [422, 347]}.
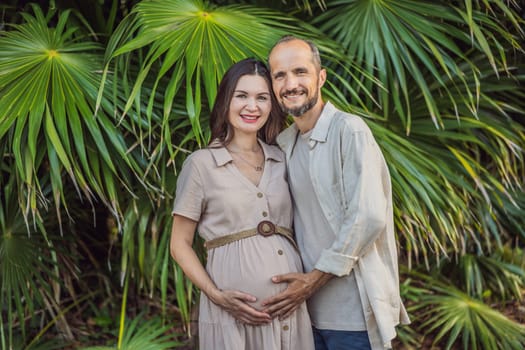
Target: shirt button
{"type": "Point", "coordinates": [285, 327]}
{"type": "Point", "coordinates": [259, 195]}
{"type": "Point", "coordinates": [265, 214]}
{"type": "Point", "coordinates": [280, 252]}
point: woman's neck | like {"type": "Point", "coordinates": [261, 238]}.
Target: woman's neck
{"type": "Point", "coordinates": [244, 143]}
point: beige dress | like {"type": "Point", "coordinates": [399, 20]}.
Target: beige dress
{"type": "Point", "coordinates": [212, 191]}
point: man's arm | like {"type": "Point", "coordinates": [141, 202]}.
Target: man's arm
{"type": "Point", "coordinates": [300, 287]}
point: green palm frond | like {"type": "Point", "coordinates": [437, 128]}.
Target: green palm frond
{"type": "Point", "coordinates": [460, 319]}
{"type": "Point", "coordinates": [453, 319]}
{"type": "Point", "coordinates": [145, 242]}
{"type": "Point", "coordinates": [480, 153]}
{"type": "Point", "coordinates": [410, 43]}
{"type": "Point", "coordinates": [54, 344]}
{"type": "Point", "coordinates": [28, 267]}
{"type": "Point", "coordinates": [512, 256]}
{"type": "Point", "coordinates": [48, 91]}
{"type": "Point", "coordinates": [141, 334]}
{"type": "Point", "coordinates": [146, 233]}
{"type": "Point", "coordinates": [486, 277]}
{"type": "Point", "coordinates": [306, 5]}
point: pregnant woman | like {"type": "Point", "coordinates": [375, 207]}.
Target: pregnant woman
{"type": "Point", "coordinates": [235, 194]}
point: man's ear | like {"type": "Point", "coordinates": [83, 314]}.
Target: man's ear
{"type": "Point", "coordinates": [322, 77]}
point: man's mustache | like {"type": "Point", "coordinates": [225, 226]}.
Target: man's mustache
{"type": "Point", "coordinates": [293, 92]}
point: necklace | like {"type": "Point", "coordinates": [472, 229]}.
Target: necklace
{"type": "Point", "coordinates": [256, 167]}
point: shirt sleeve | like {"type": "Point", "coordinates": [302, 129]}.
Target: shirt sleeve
{"type": "Point", "coordinates": [366, 195]}
{"type": "Point", "coordinates": [189, 196]}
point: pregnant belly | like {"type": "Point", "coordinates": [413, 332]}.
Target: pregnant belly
{"type": "Point", "coordinates": [249, 265]}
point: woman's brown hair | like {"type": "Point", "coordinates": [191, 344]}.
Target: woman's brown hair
{"type": "Point", "coordinates": [221, 129]}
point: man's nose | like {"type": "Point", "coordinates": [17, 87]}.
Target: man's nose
{"type": "Point", "coordinates": [290, 83]}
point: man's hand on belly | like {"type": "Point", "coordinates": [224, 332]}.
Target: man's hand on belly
{"type": "Point", "coordinates": [300, 287]}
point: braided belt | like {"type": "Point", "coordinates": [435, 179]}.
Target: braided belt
{"type": "Point", "coordinates": [264, 228]}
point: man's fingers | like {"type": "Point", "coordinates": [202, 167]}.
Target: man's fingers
{"type": "Point", "coordinates": [283, 296]}
{"type": "Point", "coordinates": [276, 309]}
{"type": "Point", "coordinates": [273, 300]}
{"type": "Point", "coordinates": [287, 311]}
{"type": "Point", "coordinates": [284, 278]}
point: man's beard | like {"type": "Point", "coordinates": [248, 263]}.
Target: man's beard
{"type": "Point", "coordinates": [299, 111]}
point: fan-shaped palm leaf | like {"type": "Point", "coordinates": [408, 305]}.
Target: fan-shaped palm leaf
{"type": "Point", "coordinates": [458, 318]}
{"type": "Point", "coordinates": [28, 265]}
{"type": "Point", "coordinates": [48, 90]}
{"type": "Point", "coordinates": [480, 153]}
{"type": "Point", "coordinates": [146, 233]}
{"type": "Point", "coordinates": [486, 277]}
{"type": "Point", "coordinates": [415, 43]}
{"type": "Point", "coordinates": [143, 335]}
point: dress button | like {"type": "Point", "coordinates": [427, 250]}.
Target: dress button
{"type": "Point", "coordinates": [259, 195]}
{"type": "Point", "coordinates": [280, 252]}
{"type": "Point", "coordinates": [265, 214]}
{"type": "Point", "coordinates": [285, 327]}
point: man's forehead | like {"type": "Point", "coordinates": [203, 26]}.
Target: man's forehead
{"type": "Point", "coordinates": [298, 63]}
{"type": "Point", "coordinates": [290, 47]}
{"type": "Point", "coordinates": [290, 58]}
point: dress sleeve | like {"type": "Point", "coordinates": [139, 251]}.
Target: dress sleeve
{"type": "Point", "coordinates": [189, 196]}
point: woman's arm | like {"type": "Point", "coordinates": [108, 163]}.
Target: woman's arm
{"type": "Point", "coordinates": [234, 302]}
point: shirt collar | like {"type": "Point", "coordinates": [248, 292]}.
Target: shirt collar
{"type": "Point", "coordinates": [288, 137]}
{"type": "Point", "coordinates": [223, 157]}
{"type": "Point", "coordinates": [320, 132]}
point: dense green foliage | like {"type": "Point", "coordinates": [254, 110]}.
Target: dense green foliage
{"type": "Point", "coordinates": [101, 101]}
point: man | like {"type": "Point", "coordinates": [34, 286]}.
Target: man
{"type": "Point", "coordinates": [342, 212]}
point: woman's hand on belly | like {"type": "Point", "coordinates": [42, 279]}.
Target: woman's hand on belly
{"type": "Point", "coordinates": [236, 304]}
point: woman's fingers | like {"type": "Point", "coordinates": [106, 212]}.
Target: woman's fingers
{"type": "Point", "coordinates": [236, 303]}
